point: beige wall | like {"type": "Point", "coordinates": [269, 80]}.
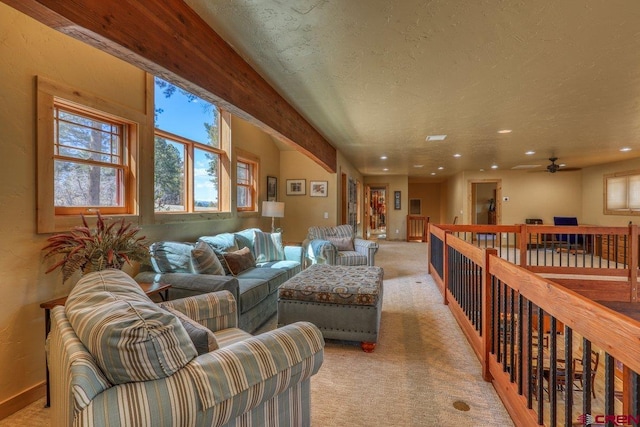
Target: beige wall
{"type": "Point", "coordinates": [29, 49]}
{"type": "Point", "coordinates": [593, 194]}
{"type": "Point", "coordinates": [431, 199]}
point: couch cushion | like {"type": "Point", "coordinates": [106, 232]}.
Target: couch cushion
{"type": "Point", "coordinates": [267, 246]}
{"type": "Point", "coordinates": [350, 258]}
{"type": "Point", "coordinates": [239, 261]}
{"type": "Point", "coordinates": [244, 238]}
{"type": "Point", "coordinates": [252, 292]}
{"type": "Point", "coordinates": [291, 267]}
{"type": "Point", "coordinates": [202, 338]}
{"type": "Point", "coordinates": [205, 260]}
{"type": "Point", "coordinates": [131, 338]}
{"type": "Point", "coordinates": [171, 257]}
{"type": "Point", "coordinates": [275, 277]}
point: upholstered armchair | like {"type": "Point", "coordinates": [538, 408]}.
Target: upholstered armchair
{"type": "Point", "coordinates": [116, 358]}
{"type": "Point", "coordinates": [338, 246]}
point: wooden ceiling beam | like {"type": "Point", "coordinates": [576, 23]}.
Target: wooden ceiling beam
{"type": "Point", "coordinates": [168, 39]}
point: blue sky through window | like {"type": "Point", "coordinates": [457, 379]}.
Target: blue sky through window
{"type": "Point", "coordinates": [186, 116]}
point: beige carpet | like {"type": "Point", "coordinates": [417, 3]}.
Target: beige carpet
{"type": "Point", "coordinates": [421, 367]}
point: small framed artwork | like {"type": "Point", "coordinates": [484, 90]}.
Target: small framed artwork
{"type": "Point", "coordinates": [318, 188]}
{"type": "Point", "coordinates": [396, 200]}
{"type": "Point", "coordinates": [296, 187]}
{"type": "Point", "coordinates": [272, 188]}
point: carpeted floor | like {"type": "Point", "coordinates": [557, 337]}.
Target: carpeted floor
{"type": "Point", "coordinates": [422, 370]}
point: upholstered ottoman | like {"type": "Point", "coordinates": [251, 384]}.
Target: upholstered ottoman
{"type": "Point", "coordinates": [345, 303]}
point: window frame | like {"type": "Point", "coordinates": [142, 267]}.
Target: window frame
{"type": "Point", "coordinates": [626, 210]}
{"type": "Point", "coordinates": [124, 166]}
{"type": "Point", "coordinates": [224, 179]}
{"type": "Point", "coordinates": [253, 161]}
{"type": "Point", "coordinates": [50, 93]}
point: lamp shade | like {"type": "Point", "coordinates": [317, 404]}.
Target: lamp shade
{"type": "Point", "coordinates": [273, 209]}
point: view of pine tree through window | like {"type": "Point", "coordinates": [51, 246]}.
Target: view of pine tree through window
{"type": "Point", "coordinates": [187, 151]}
{"type": "Point", "coordinates": [89, 161]}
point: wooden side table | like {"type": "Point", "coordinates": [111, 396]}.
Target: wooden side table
{"type": "Point", "coordinates": [161, 289]}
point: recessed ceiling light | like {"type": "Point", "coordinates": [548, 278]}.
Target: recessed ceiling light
{"type": "Point", "coordinates": [494, 166]}
{"type": "Point", "coordinates": [504, 131]}
{"type": "Point", "coordinates": [529, 153]}
{"type": "Point", "coordinates": [418, 166]}
{"type": "Point", "coordinates": [440, 168]}
{"type": "Point", "coordinates": [385, 169]}
{"type": "Point", "coordinates": [623, 149]}
{"type": "Point", "coordinates": [562, 165]}
{"type": "Point", "coordinates": [457, 155]}
{"type": "Point", "coordinates": [433, 173]}
{"type": "Point", "coordinates": [383, 157]}
{"type": "Point", "coordinates": [436, 137]}
{"type": "Point", "coordinates": [481, 170]}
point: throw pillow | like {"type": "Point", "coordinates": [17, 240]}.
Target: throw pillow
{"type": "Point", "coordinates": [131, 338]}
{"type": "Point", "coordinates": [171, 257]}
{"type": "Point", "coordinates": [239, 261]}
{"type": "Point", "coordinates": [205, 260]}
{"type": "Point", "coordinates": [203, 339]}
{"type": "Point", "coordinates": [342, 243]}
{"type": "Point", "coordinates": [221, 243]}
{"type": "Point", "coordinates": [268, 246]}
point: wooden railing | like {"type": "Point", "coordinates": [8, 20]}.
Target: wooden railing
{"type": "Point", "coordinates": [523, 326]}
{"type": "Point", "coordinates": [417, 227]}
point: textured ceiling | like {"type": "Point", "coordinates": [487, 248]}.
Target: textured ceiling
{"type": "Point", "coordinates": [375, 77]}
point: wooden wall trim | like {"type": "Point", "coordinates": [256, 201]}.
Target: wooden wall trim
{"type": "Point", "coordinates": [170, 40]}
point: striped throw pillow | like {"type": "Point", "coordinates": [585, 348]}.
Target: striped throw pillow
{"type": "Point", "coordinates": [131, 338]}
{"type": "Point", "coordinates": [205, 260]}
{"type": "Point", "coordinates": [268, 246]}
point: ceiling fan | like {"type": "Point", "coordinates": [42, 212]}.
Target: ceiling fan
{"type": "Point", "coordinates": [554, 167]}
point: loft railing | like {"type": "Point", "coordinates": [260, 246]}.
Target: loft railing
{"type": "Point", "coordinates": [534, 337]}
{"type": "Point", "coordinates": [417, 227]}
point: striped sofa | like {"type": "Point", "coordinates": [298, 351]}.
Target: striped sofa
{"type": "Point", "coordinates": [338, 246]}
{"type": "Point", "coordinates": [118, 359]}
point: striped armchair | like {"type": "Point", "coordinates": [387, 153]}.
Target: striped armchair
{"type": "Point", "coordinates": [96, 380]}
{"type": "Point", "coordinates": [338, 246]}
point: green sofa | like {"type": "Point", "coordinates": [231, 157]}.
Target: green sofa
{"type": "Point", "coordinates": [181, 265]}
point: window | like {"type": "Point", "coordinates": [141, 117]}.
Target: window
{"type": "Point", "coordinates": [189, 152]}
{"type": "Point", "coordinates": [90, 161]}
{"type": "Point", "coordinates": [86, 148]}
{"type": "Point", "coordinates": [622, 193]}
{"type": "Point", "coordinates": [246, 184]}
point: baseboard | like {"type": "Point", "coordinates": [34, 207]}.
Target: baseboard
{"type": "Point", "coordinates": [22, 400]}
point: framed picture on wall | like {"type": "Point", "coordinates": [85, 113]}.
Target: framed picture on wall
{"type": "Point", "coordinates": [396, 200]}
{"type": "Point", "coordinates": [318, 188]}
{"type": "Point", "coordinates": [272, 188]}
{"type": "Point", "coordinates": [296, 187]}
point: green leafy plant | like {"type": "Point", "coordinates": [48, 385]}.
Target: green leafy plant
{"type": "Point", "coordinates": [109, 245]}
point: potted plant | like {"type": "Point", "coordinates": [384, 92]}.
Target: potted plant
{"type": "Point", "coordinates": [108, 245]}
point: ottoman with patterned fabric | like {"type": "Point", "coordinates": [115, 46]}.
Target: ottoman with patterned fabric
{"type": "Point", "coordinates": [345, 303]}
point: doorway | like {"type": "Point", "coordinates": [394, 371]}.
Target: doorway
{"type": "Point", "coordinates": [484, 201]}
{"type": "Point", "coordinates": [377, 218]}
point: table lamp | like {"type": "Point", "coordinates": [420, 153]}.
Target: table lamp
{"type": "Point", "coordinates": [274, 210]}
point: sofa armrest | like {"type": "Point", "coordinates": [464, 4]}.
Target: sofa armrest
{"type": "Point", "coordinates": [258, 366]}
{"type": "Point", "coordinates": [318, 250]}
{"type": "Point", "coordinates": [293, 253]}
{"type": "Point", "coordinates": [215, 310]}
{"type": "Point", "coordinates": [367, 248]}
{"type": "Point", "coordinates": [188, 284]}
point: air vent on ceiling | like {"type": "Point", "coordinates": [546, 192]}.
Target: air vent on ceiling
{"type": "Point", "coordinates": [436, 137]}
